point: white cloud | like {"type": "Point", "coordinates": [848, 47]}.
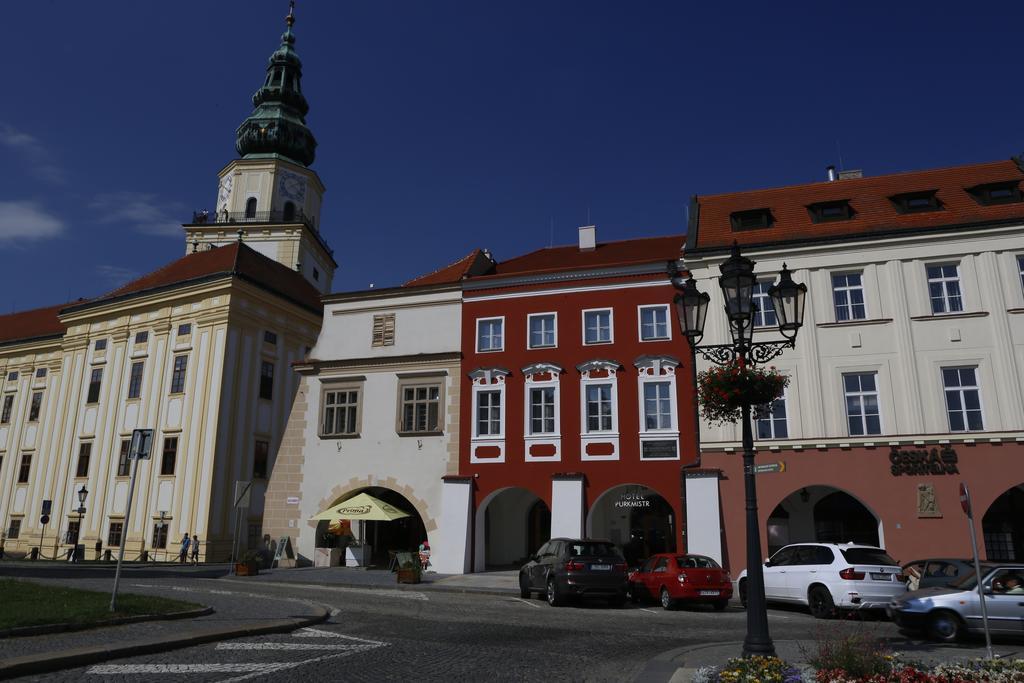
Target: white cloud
{"type": "Point", "coordinates": [116, 275]}
{"type": "Point", "coordinates": [40, 161]}
{"type": "Point", "coordinates": [27, 221]}
{"type": "Point", "coordinates": [141, 211]}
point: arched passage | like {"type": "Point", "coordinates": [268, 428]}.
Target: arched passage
{"type": "Point", "coordinates": [636, 518]}
{"type": "Point", "coordinates": [511, 524]}
{"type": "Point", "coordinates": [822, 514]}
{"type": "Point", "coordinates": [1003, 526]}
{"type": "Point", "coordinates": [400, 535]}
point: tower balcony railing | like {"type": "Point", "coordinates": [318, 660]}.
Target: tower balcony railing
{"type": "Point", "coordinates": [241, 217]}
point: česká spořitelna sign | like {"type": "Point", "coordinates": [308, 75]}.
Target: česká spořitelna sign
{"type": "Point", "coordinates": [923, 461]}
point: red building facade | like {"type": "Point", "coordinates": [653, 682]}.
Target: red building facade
{"type": "Point", "coordinates": [576, 407]}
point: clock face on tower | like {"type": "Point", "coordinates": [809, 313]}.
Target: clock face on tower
{"type": "Point", "coordinates": [223, 194]}
{"type": "Point", "coordinates": [292, 186]}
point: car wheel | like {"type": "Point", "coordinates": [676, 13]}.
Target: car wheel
{"type": "Point", "coordinates": [524, 587]}
{"type": "Point", "coordinates": [820, 602]}
{"type": "Point", "coordinates": [666, 600]}
{"type": "Point", "coordinates": [743, 593]}
{"type": "Point", "coordinates": [944, 626]}
{"type": "Point", "coordinates": [555, 597]}
{"type": "Point", "coordinates": [634, 595]}
{"type": "Point", "coordinates": [720, 605]}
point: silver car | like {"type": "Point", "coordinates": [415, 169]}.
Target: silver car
{"type": "Point", "coordinates": [946, 613]}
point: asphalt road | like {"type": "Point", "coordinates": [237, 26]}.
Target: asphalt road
{"type": "Point", "coordinates": [391, 635]}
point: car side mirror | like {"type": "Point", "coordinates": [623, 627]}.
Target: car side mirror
{"type": "Point", "coordinates": [767, 562]}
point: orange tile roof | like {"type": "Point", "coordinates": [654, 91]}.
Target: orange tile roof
{"type": "Point", "coordinates": [605, 255]}
{"type": "Point", "coordinates": [476, 260]}
{"type": "Point", "coordinates": [37, 323]}
{"type": "Point", "coordinates": [869, 199]}
{"type": "Point", "coordinates": [236, 259]}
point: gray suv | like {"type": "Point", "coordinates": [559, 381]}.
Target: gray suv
{"type": "Point", "coordinates": [572, 567]}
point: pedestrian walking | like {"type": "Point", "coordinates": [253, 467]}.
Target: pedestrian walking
{"type": "Point", "coordinates": [183, 555]}
{"type": "Point", "coordinates": [195, 549]}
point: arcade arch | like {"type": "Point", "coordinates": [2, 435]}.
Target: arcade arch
{"type": "Point", "coordinates": [511, 524]}
{"type": "Point", "coordinates": [636, 518]}
{"type": "Point", "coordinates": [1003, 526]}
{"type": "Point", "coordinates": [822, 514]}
{"type": "Point", "coordinates": [404, 534]}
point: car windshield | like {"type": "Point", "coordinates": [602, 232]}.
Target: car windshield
{"type": "Point", "coordinates": [588, 549]}
{"type": "Point", "coordinates": [696, 561]}
{"type": "Point", "coordinates": [969, 579]}
{"type": "Point", "coordinates": [867, 556]}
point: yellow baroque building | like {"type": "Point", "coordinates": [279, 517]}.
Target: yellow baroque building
{"type": "Point", "coordinates": [200, 351]}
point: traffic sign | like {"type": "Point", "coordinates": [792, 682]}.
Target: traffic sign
{"type": "Point", "coordinates": [47, 508]}
{"type": "Point", "coordinates": [770, 467]}
{"type": "Point", "coordinates": [142, 440]}
{"type": "Point", "coordinates": [965, 499]}
{"type": "Point", "coordinates": [44, 520]}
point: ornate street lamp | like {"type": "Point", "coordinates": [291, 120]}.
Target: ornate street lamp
{"type": "Point", "coordinates": [737, 282]}
{"type": "Point", "coordinates": [83, 493]}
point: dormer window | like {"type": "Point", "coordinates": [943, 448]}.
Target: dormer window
{"type": "Point", "coordinates": [824, 212]}
{"type": "Point", "coordinates": [997, 193]}
{"type": "Point", "coordinates": [916, 202]}
{"type": "Point", "coordinates": [754, 219]}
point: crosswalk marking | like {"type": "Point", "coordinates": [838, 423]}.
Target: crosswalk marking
{"type": "Point", "coordinates": [293, 646]}
{"type": "Point", "coordinates": [240, 667]}
{"type": "Point", "coordinates": [320, 633]}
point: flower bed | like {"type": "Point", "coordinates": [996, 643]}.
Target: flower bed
{"type": "Point", "coordinates": [722, 390]}
{"type": "Point", "coordinates": [774, 670]}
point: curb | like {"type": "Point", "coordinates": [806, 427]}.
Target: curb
{"type": "Point", "coordinates": [414, 587]}
{"type": "Point", "coordinates": [43, 629]}
{"type": "Point", "coordinates": [55, 661]}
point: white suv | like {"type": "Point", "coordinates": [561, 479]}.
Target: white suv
{"type": "Point", "coordinates": [827, 576]}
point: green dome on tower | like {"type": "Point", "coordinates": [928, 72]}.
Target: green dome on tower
{"type": "Point", "coordinates": [277, 126]}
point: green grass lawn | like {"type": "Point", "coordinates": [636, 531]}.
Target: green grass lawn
{"type": "Point", "coordinates": [31, 604]}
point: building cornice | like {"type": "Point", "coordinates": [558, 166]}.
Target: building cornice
{"type": "Point", "coordinates": [500, 281]}
{"type": "Point", "coordinates": [313, 366]}
{"type": "Point", "coordinates": [385, 292]}
{"type": "Point", "coordinates": [881, 442]}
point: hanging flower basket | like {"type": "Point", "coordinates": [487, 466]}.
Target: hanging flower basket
{"type": "Point", "coordinates": [722, 390]}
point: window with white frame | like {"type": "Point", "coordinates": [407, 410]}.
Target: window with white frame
{"type": "Point", "coordinates": [848, 296]}
{"type": "Point", "coordinates": [764, 314]}
{"type": "Point", "coordinates": [489, 413]}
{"type": "Point", "coordinates": [653, 323]}
{"type": "Point", "coordinates": [771, 421]}
{"type": "Point", "coordinates": [944, 288]}
{"type": "Point", "coordinates": [597, 326]}
{"type": "Point", "coordinates": [659, 429]}
{"type": "Point", "coordinates": [963, 399]}
{"type": "Point", "coordinates": [542, 330]}
{"type": "Point", "coordinates": [488, 417]}
{"type": "Point", "coordinates": [861, 393]}
{"type": "Point", "coordinates": [490, 334]}
{"type": "Point", "coordinates": [600, 407]}
{"type": "Point", "coordinates": [542, 410]}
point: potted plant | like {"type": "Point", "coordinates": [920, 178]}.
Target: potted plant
{"type": "Point", "coordinates": [249, 565]}
{"type": "Point", "coordinates": [722, 390]}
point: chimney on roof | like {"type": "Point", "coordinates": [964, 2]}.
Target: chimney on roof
{"type": "Point", "coordinates": [852, 173]}
{"type": "Point", "coordinates": [831, 171]}
{"type": "Point", "coordinates": [588, 237]}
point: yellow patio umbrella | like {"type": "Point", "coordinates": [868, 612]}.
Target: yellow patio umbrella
{"type": "Point", "coordinates": [362, 507]}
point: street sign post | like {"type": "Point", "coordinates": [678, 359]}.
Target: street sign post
{"type": "Point", "coordinates": [965, 503]}
{"type": "Point", "coordinates": [770, 467]}
{"type": "Point", "coordinates": [142, 439]}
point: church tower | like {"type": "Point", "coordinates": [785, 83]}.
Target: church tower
{"type": "Point", "coordinates": [270, 198]}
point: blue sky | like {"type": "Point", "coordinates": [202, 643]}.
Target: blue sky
{"type": "Point", "coordinates": [445, 126]}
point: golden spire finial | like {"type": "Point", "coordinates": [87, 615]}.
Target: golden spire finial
{"type": "Point", "coordinates": [290, 19]}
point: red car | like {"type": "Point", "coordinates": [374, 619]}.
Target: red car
{"type": "Point", "coordinates": [672, 578]}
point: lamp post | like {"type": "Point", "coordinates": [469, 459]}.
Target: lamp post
{"type": "Point", "coordinates": [737, 283]}
{"type": "Point", "coordinates": [162, 534]}
{"type": "Point", "coordinates": [83, 493]}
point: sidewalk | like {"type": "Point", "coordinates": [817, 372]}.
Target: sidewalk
{"type": "Point", "coordinates": [236, 615]}
{"type": "Point", "coordinates": [488, 583]}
